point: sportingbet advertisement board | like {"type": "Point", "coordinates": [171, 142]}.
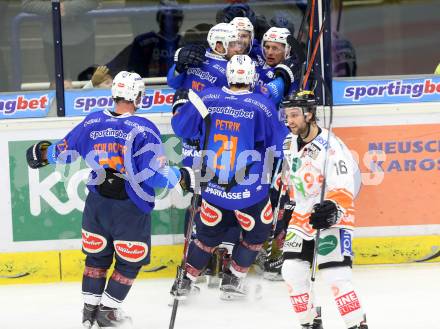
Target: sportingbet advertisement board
{"type": "Point", "coordinates": [84, 101]}
{"type": "Point", "coordinates": [396, 212]}
{"type": "Point", "coordinates": [26, 104]}
{"type": "Point", "coordinates": [386, 91]}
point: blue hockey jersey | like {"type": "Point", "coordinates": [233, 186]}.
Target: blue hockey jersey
{"type": "Point", "coordinates": [211, 73]}
{"type": "Point", "coordinates": [129, 144]}
{"type": "Point", "coordinates": [243, 126]}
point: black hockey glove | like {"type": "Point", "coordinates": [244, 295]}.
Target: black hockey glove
{"type": "Point", "coordinates": [187, 179]}
{"type": "Point", "coordinates": [189, 56]}
{"type": "Point", "coordinates": [180, 98]}
{"type": "Point", "coordinates": [288, 70]}
{"type": "Point", "coordinates": [325, 215]}
{"type": "Point", "coordinates": [34, 155]}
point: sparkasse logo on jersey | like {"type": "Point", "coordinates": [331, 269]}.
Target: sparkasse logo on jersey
{"type": "Point", "coordinates": [158, 100]}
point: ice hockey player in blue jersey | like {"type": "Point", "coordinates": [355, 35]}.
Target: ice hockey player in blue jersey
{"type": "Point", "coordinates": [126, 157]}
{"type": "Point", "coordinates": [279, 63]}
{"type": "Point", "coordinates": [197, 68]}
{"type": "Point", "coordinates": [243, 126]}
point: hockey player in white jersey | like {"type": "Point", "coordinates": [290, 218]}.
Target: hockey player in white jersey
{"type": "Point", "coordinates": [334, 217]}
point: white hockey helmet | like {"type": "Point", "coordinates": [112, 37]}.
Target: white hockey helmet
{"type": "Point", "coordinates": [240, 69]}
{"type": "Point", "coordinates": [223, 33]}
{"type": "Point", "coordinates": [128, 86]}
{"type": "Point", "coordinates": [280, 35]}
{"type": "Point", "coordinates": [244, 24]}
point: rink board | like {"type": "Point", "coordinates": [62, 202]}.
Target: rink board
{"type": "Point", "coordinates": [68, 265]}
{"type": "Point", "coordinates": [396, 217]}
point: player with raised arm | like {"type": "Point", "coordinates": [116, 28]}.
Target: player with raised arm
{"type": "Point", "coordinates": [125, 154]}
{"type": "Point", "coordinates": [243, 126]}
{"type": "Point", "coordinates": [312, 148]}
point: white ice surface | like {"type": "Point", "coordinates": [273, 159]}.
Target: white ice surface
{"type": "Point", "coordinates": [394, 297]}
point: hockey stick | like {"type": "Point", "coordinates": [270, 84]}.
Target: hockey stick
{"type": "Point", "coordinates": [271, 237]}
{"type": "Point", "coordinates": [15, 276]}
{"type": "Point", "coordinates": [435, 252]}
{"type": "Point", "coordinates": [329, 131]}
{"type": "Point", "coordinates": [155, 269]}
{"type": "Point", "coordinates": [312, 60]}
{"type": "Point", "coordinates": [181, 270]}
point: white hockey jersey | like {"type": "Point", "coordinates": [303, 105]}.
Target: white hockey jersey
{"type": "Point", "coordinates": [304, 174]}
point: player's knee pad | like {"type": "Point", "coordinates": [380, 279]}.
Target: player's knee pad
{"type": "Point", "coordinates": [102, 262]}
{"type": "Point", "coordinates": [199, 255]}
{"type": "Point", "coordinates": [245, 253]}
{"type": "Point", "coordinates": [296, 273]}
{"type": "Point", "coordinates": [127, 270]}
{"type": "Point", "coordinates": [347, 301]}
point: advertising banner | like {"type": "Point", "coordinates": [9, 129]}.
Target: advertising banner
{"type": "Point", "coordinates": [47, 203]}
{"type": "Point", "coordinates": [400, 168]}
{"type": "Point", "coordinates": [26, 104]}
{"type": "Point", "coordinates": [84, 101]}
{"type": "Point", "coordinates": [389, 91]}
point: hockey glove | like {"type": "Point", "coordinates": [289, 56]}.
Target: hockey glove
{"type": "Point", "coordinates": [36, 155]}
{"type": "Point", "coordinates": [288, 70]}
{"type": "Point", "coordinates": [189, 56]}
{"type": "Point", "coordinates": [180, 98]}
{"type": "Point", "coordinates": [187, 179]}
{"type": "Point", "coordinates": [325, 215]}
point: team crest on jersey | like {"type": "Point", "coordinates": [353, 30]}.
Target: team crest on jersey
{"type": "Point", "coordinates": [312, 151]}
{"type": "Point", "coordinates": [247, 222]}
{"type": "Point", "coordinates": [92, 242]}
{"type": "Point", "coordinates": [210, 215]}
{"type": "Point", "coordinates": [267, 214]}
{"type": "Point", "coordinates": [131, 251]}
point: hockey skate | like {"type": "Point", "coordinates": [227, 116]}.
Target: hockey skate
{"type": "Point", "coordinates": [362, 325]}
{"type": "Point", "coordinates": [89, 315]}
{"type": "Point", "coordinates": [214, 271]}
{"type": "Point", "coordinates": [317, 321]}
{"type": "Point", "coordinates": [232, 287]}
{"type": "Point", "coordinates": [182, 290]}
{"type": "Point", "coordinates": [272, 269]}
{"type": "Point", "coordinates": [107, 317]}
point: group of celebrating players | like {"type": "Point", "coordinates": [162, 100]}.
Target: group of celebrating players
{"type": "Point", "coordinates": [258, 164]}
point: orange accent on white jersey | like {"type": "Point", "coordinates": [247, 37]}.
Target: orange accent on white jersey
{"type": "Point", "coordinates": [306, 174]}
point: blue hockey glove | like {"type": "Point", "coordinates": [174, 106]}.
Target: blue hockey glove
{"type": "Point", "coordinates": [189, 56]}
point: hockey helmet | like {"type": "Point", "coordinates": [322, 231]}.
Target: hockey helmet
{"type": "Point", "coordinates": [128, 86]}
{"type": "Point", "coordinates": [280, 35]}
{"type": "Point", "coordinates": [169, 8]}
{"type": "Point", "coordinates": [240, 70]}
{"type": "Point", "coordinates": [283, 19]}
{"type": "Point", "coordinates": [303, 99]}
{"type": "Point", "coordinates": [224, 33]}
{"type": "Point", "coordinates": [344, 57]}
{"type": "Point", "coordinates": [244, 24]}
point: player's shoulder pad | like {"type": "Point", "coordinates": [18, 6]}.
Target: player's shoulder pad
{"type": "Point", "coordinates": [143, 126]}
{"type": "Point", "coordinates": [263, 103]}
{"type": "Point", "coordinates": [210, 93]}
